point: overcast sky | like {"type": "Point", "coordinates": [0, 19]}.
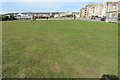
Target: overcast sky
{"type": "Point", "coordinates": [45, 5]}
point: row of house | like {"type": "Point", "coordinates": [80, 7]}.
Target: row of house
{"type": "Point", "coordinates": [29, 15]}
{"type": "Point", "coordinates": [68, 14]}
{"type": "Point", "coordinates": [107, 10]}
{"type": "Point", "coordinates": [38, 15]}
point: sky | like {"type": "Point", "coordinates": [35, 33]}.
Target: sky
{"type": "Point", "coordinates": [44, 5]}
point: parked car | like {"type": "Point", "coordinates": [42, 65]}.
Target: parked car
{"type": "Point", "coordinates": [103, 19]}
{"type": "Point", "coordinates": [93, 17]}
{"type": "Point", "coordinates": [118, 18]}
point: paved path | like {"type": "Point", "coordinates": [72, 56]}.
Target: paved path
{"type": "Point", "coordinates": [57, 19]}
{"type": "Point", "coordinates": [98, 20]}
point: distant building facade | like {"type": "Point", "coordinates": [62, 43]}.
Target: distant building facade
{"type": "Point", "coordinates": [100, 10]}
{"type": "Point", "coordinates": [29, 15]}
{"type": "Point", "coordinates": [82, 13]}
{"type": "Point", "coordinates": [112, 16]}
{"type": "Point", "coordinates": [38, 15]}
{"type": "Point", "coordinates": [112, 11]}
{"type": "Point", "coordinates": [64, 14]}
{"type": "Point", "coordinates": [90, 11]}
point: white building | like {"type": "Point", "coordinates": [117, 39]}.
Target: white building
{"type": "Point", "coordinates": [99, 10]}
{"type": "Point", "coordinates": [23, 16]}
{"type": "Point", "coordinates": [56, 15]}
{"type": "Point", "coordinates": [107, 7]}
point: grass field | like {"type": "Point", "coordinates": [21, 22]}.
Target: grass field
{"type": "Point", "coordinates": [59, 49]}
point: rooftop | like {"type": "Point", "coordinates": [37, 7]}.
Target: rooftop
{"type": "Point", "coordinates": [92, 4]}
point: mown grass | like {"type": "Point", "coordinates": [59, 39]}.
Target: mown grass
{"type": "Point", "coordinates": [59, 49]}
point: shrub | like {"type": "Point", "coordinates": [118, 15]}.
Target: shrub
{"type": "Point", "coordinates": [109, 77]}
{"type": "Point", "coordinates": [4, 18]}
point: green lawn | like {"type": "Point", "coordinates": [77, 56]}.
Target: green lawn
{"type": "Point", "coordinates": [59, 49]}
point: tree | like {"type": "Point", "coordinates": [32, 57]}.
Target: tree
{"type": "Point", "coordinates": [4, 18]}
{"type": "Point", "coordinates": [118, 14]}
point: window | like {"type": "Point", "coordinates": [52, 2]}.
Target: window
{"type": "Point", "coordinates": [114, 15]}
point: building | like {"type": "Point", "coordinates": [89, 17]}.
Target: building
{"type": "Point", "coordinates": [77, 15]}
{"type": "Point", "coordinates": [38, 15]}
{"type": "Point", "coordinates": [23, 16]}
{"type": "Point", "coordinates": [69, 13]}
{"type": "Point", "coordinates": [90, 11]}
{"type": "Point", "coordinates": [29, 15]}
{"type": "Point", "coordinates": [65, 14]}
{"type": "Point", "coordinates": [111, 6]}
{"type": "Point", "coordinates": [100, 10]}
{"type": "Point", "coordinates": [33, 13]}
{"type": "Point", "coordinates": [82, 13]}
{"type": "Point", "coordinates": [108, 6]}
{"type": "Point", "coordinates": [112, 11]}
{"type": "Point", "coordinates": [112, 16]}
{"type": "Point", "coordinates": [56, 15]}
